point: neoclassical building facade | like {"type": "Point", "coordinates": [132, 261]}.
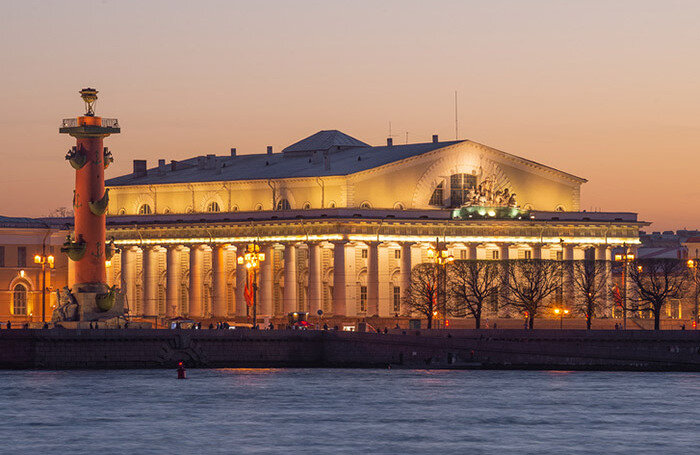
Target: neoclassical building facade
{"type": "Point", "coordinates": [341, 223]}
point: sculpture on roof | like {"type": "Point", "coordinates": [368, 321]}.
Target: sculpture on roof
{"type": "Point", "coordinates": [488, 194]}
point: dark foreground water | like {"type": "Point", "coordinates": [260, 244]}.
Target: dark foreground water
{"type": "Point", "coordinates": [348, 411]}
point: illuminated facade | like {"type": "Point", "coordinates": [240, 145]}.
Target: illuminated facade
{"type": "Point", "coordinates": [341, 222]}
{"type": "Point", "coordinates": [21, 278]}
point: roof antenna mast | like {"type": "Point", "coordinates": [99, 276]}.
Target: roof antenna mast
{"type": "Point", "coordinates": [456, 119]}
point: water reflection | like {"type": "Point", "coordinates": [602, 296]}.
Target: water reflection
{"type": "Point", "coordinates": [347, 411]}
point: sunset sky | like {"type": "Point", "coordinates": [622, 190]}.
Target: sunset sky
{"type": "Point", "coordinates": [607, 90]}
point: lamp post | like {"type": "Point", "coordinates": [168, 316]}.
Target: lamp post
{"type": "Point", "coordinates": [441, 257]}
{"type": "Point", "coordinates": [44, 261]}
{"type": "Point", "coordinates": [252, 259]}
{"type": "Point", "coordinates": [693, 265]}
{"type": "Point", "coordinates": [561, 313]}
{"type": "Point", "coordinates": [626, 259]}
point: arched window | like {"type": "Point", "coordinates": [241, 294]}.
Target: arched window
{"type": "Point", "coordinates": [234, 208]}
{"type": "Point", "coordinates": [122, 212]}
{"type": "Point", "coordinates": [459, 188]}
{"type": "Point", "coordinates": [306, 206]}
{"type": "Point", "coordinates": [438, 197]}
{"type": "Point", "coordinates": [399, 206]}
{"type": "Point", "coordinates": [145, 209]}
{"type": "Point", "coordinates": [167, 210]}
{"type": "Point", "coordinates": [258, 207]}
{"type": "Point", "coordinates": [213, 207]}
{"type": "Point", "coordinates": [365, 205]}
{"type": "Point", "coordinates": [283, 204]}
{"type": "Point", "coordinates": [560, 208]}
{"type": "Point", "coordinates": [19, 300]}
{"type": "Point", "coordinates": [331, 205]}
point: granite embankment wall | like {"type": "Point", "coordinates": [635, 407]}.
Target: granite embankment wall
{"type": "Point", "coordinates": [498, 349]}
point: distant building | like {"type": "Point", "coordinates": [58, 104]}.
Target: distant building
{"type": "Point", "coordinates": [20, 277]}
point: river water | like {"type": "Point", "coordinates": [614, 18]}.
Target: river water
{"type": "Point", "coordinates": [348, 411]}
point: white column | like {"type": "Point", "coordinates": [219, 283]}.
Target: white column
{"type": "Point", "coordinates": [386, 292]}
{"type": "Point", "coordinates": [339, 279]}
{"type": "Point", "coordinates": [289, 299]}
{"type": "Point", "coordinates": [568, 269]}
{"type": "Point", "coordinates": [172, 281]}
{"type": "Point", "coordinates": [536, 251]}
{"type": "Point", "coordinates": [218, 266]}
{"type": "Point", "coordinates": [604, 253]}
{"type": "Point", "coordinates": [315, 293]}
{"type": "Point", "coordinates": [265, 283]}
{"type": "Point", "coordinates": [472, 251]}
{"type": "Point", "coordinates": [128, 258]}
{"type": "Point", "coordinates": [504, 257]}
{"type": "Point", "coordinates": [406, 266]}
{"type": "Point", "coordinates": [150, 280]}
{"type": "Point", "coordinates": [196, 266]}
{"type": "Point", "coordinates": [372, 278]}
{"type": "Point", "coordinates": [241, 276]}
{"type": "Point", "coordinates": [71, 270]}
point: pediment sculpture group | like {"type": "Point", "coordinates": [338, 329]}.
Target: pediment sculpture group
{"type": "Point", "coordinates": [486, 194]}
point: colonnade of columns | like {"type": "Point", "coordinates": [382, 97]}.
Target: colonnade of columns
{"type": "Point", "coordinates": [378, 271]}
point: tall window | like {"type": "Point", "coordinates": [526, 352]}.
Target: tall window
{"type": "Point", "coordinates": [145, 209]}
{"type": "Point", "coordinates": [21, 256]}
{"type": "Point", "coordinates": [438, 197]}
{"type": "Point", "coordinates": [397, 254]}
{"type": "Point", "coordinates": [213, 207]}
{"type": "Point", "coordinates": [459, 188]}
{"type": "Point", "coordinates": [363, 298]}
{"type": "Point", "coordinates": [364, 253]}
{"type": "Point", "coordinates": [2, 256]}
{"type": "Point", "coordinates": [397, 299]}
{"type": "Point", "coordinates": [19, 300]}
{"type": "Point", "coordinates": [283, 204]}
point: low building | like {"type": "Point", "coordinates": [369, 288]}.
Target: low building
{"type": "Point", "coordinates": [21, 278]}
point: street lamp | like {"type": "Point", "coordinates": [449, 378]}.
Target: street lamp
{"type": "Point", "coordinates": [252, 259]}
{"type": "Point", "coordinates": [693, 264]}
{"type": "Point", "coordinates": [561, 313]}
{"type": "Point", "coordinates": [625, 259]}
{"type": "Point", "coordinates": [441, 257]}
{"type": "Point", "coordinates": [44, 261]}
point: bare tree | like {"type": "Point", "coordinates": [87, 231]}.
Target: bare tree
{"type": "Point", "coordinates": [422, 295]}
{"type": "Point", "coordinates": [60, 212]}
{"type": "Point", "coordinates": [654, 281]}
{"type": "Point", "coordinates": [471, 284]}
{"type": "Point", "coordinates": [589, 280]}
{"type": "Point", "coordinates": [530, 282]}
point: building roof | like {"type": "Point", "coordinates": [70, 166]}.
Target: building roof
{"type": "Point", "coordinates": [324, 140]}
{"type": "Point", "coordinates": [21, 222]}
{"type": "Point", "coordinates": [327, 153]}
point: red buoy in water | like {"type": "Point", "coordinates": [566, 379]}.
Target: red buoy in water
{"type": "Point", "coordinates": [181, 372]}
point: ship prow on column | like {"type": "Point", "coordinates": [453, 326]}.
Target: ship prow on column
{"type": "Point", "coordinates": [90, 298]}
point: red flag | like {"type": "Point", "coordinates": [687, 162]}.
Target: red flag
{"type": "Point", "coordinates": [617, 296]}
{"type": "Point", "coordinates": [248, 293]}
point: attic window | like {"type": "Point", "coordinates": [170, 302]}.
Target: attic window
{"type": "Point", "coordinates": [213, 207]}
{"type": "Point", "coordinates": [145, 209]}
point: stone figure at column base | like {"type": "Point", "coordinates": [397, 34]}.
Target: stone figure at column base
{"type": "Point", "coordinates": [91, 302]}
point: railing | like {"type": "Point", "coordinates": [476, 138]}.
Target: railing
{"type": "Point", "coordinates": [106, 123]}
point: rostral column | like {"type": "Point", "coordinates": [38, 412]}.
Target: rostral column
{"type": "Point", "coordinates": [88, 247]}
